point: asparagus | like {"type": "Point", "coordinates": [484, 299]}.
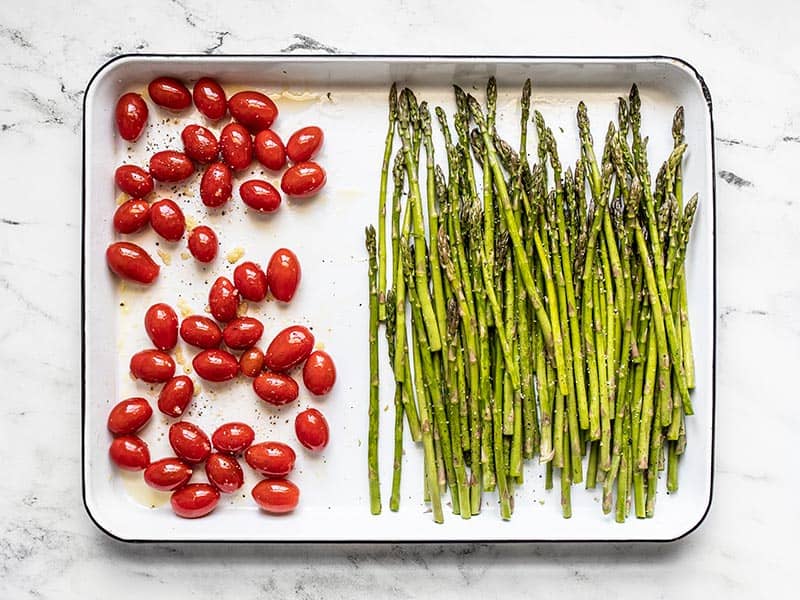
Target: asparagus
{"type": "Point", "coordinates": [374, 382]}
{"type": "Point", "coordinates": [387, 156]}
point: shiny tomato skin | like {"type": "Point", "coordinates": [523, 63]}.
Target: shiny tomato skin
{"type": "Point", "coordinates": [223, 300]}
{"type": "Point", "coordinates": [277, 496]}
{"type": "Point", "coordinates": [131, 262]}
{"type": "Point", "coordinates": [175, 396]}
{"type": "Point", "coordinates": [311, 429]}
{"type": "Point", "coordinates": [171, 166]}
{"type": "Point", "coordinates": [283, 274]}
{"type": "Point", "coordinates": [167, 474]}
{"type": "Point", "coordinates": [200, 144]}
{"type": "Point", "coordinates": [169, 93]}
{"type": "Point", "coordinates": [203, 243]}
{"type": "Point", "coordinates": [200, 331]}
{"type": "Point", "coordinates": [130, 453]}
{"type": "Point", "coordinates": [260, 195]}
{"type": "Point", "coordinates": [251, 281]}
{"type": "Point", "coordinates": [251, 362]}
{"type": "Point", "coordinates": [319, 373]}
{"type": "Point", "coordinates": [216, 185]}
{"type": "Point", "coordinates": [254, 110]}
{"type": "Point", "coordinates": [194, 500]}
{"type": "Point", "coordinates": [167, 220]}
{"type": "Point", "coordinates": [304, 144]}
{"type": "Point", "coordinates": [233, 438]}
{"type": "Point", "coordinates": [209, 98]}
{"type": "Point", "coordinates": [224, 472]}
{"type": "Point", "coordinates": [275, 388]}
{"type": "Point", "coordinates": [273, 459]}
{"type": "Point", "coordinates": [189, 442]}
{"type": "Point", "coordinates": [289, 348]}
{"type": "Point", "coordinates": [270, 150]}
{"type": "Point", "coordinates": [237, 146]}
{"type": "Point", "coordinates": [131, 116]}
{"type": "Point", "coordinates": [133, 180]}
{"type": "Point", "coordinates": [152, 366]}
{"type": "Point", "coordinates": [215, 365]}
{"type": "Point", "coordinates": [303, 180]}
{"type": "Point", "coordinates": [242, 332]}
{"type": "Point", "coordinates": [129, 416]}
{"type": "Point", "coordinates": [161, 324]}
{"type": "Point", "coordinates": [131, 216]}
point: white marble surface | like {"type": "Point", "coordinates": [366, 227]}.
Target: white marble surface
{"type": "Point", "coordinates": [746, 547]}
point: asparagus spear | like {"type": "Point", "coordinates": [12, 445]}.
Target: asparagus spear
{"type": "Point", "coordinates": [387, 156]}
{"type": "Point", "coordinates": [374, 382]}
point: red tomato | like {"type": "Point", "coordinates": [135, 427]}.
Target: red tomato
{"type": "Point", "coordinates": [152, 366]}
{"type": "Point", "coordinates": [167, 474]}
{"type": "Point", "coordinates": [194, 500]}
{"type": "Point", "coordinates": [233, 438]}
{"type": "Point", "coordinates": [237, 146]}
{"type": "Point", "coordinates": [260, 195]}
{"type": "Point", "coordinates": [311, 429]}
{"type": "Point", "coordinates": [273, 459]}
{"type": "Point", "coordinates": [131, 116]}
{"type": "Point", "coordinates": [189, 442]}
{"type": "Point", "coordinates": [130, 453]}
{"type": "Point", "coordinates": [254, 110]}
{"type": "Point", "coordinates": [303, 179]}
{"type": "Point", "coordinates": [276, 496]}
{"type": "Point", "coordinates": [304, 143]}
{"type": "Point", "coordinates": [269, 149]}
{"type": "Point", "coordinates": [319, 373]}
{"type": "Point", "coordinates": [215, 365]}
{"type": "Point", "coordinates": [275, 388]}
{"type": "Point", "coordinates": [243, 332]}
{"type": "Point", "coordinates": [131, 216]}
{"type": "Point", "coordinates": [200, 144]}
{"type": "Point", "coordinates": [223, 300]}
{"type": "Point", "coordinates": [133, 180]}
{"type": "Point", "coordinates": [251, 362]}
{"type": "Point", "coordinates": [132, 262]}
{"type": "Point", "coordinates": [289, 348]}
{"type": "Point", "coordinates": [169, 93]}
{"type": "Point", "coordinates": [129, 416]}
{"type": "Point", "coordinates": [224, 472]}
{"type": "Point", "coordinates": [171, 166]}
{"type": "Point", "coordinates": [209, 98]}
{"type": "Point", "coordinates": [216, 185]}
{"type": "Point", "coordinates": [167, 220]}
{"type": "Point", "coordinates": [283, 274]}
{"type": "Point", "coordinates": [251, 281]}
{"type": "Point", "coordinates": [175, 396]}
{"type": "Point", "coordinates": [161, 324]}
{"type": "Point", "coordinates": [201, 331]}
{"type": "Point", "coordinates": [203, 243]}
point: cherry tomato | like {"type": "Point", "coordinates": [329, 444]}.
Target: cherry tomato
{"type": "Point", "coordinates": [251, 281]}
{"type": "Point", "coordinates": [289, 348]}
{"type": "Point", "coordinates": [251, 362]}
{"type": "Point", "coordinates": [167, 474]}
{"type": "Point", "coordinates": [209, 98]}
{"type": "Point", "coordinates": [194, 500]}
{"type": "Point", "coordinates": [131, 116]}
{"type": "Point", "coordinates": [311, 429]}
{"type": "Point", "coordinates": [200, 144]}
{"type": "Point", "coordinates": [215, 365]}
{"type": "Point", "coordinates": [283, 274]}
{"type": "Point", "coordinates": [273, 459]}
{"type": "Point", "coordinates": [167, 220]}
{"type": "Point", "coordinates": [243, 332]}
{"type": "Point", "coordinates": [224, 472]}
{"type": "Point", "coordinates": [152, 366]}
{"type": "Point", "coordinates": [223, 300]}
{"type": "Point", "coordinates": [260, 195]}
{"type": "Point", "coordinates": [169, 93]}
{"type": "Point", "coordinates": [132, 262]}
{"type": "Point", "coordinates": [275, 388]}
{"type": "Point", "coordinates": [129, 416]}
{"type": "Point", "coordinates": [171, 166]}
{"type": "Point", "coordinates": [189, 442]}
{"type": "Point", "coordinates": [319, 373]}
{"type": "Point", "coordinates": [277, 496]}
{"type": "Point", "coordinates": [131, 216]}
{"type": "Point", "coordinates": [303, 179]}
{"type": "Point", "coordinates": [203, 243]}
{"type": "Point", "coordinates": [254, 110]}
{"type": "Point", "coordinates": [133, 180]}
{"type": "Point", "coordinates": [161, 324]}
{"type": "Point", "coordinates": [233, 438]}
{"type": "Point", "coordinates": [201, 331]}
{"type": "Point", "coordinates": [304, 144]}
{"type": "Point", "coordinates": [269, 149]}
{"type": "Point", "coordinates": [216, 185]}
{"type": "Point", "coordinates": [175, 396]}
{"type": "Point", "coordinates": [129, 452]}
{"type": "Point", "coordinates": [237, 146]}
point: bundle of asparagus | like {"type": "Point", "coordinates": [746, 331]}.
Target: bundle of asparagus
{"type": "Point", "coordinates": [531, 316]}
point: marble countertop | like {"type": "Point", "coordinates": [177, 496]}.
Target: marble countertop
{"type": "Point", "coordinates": [48, 546]}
